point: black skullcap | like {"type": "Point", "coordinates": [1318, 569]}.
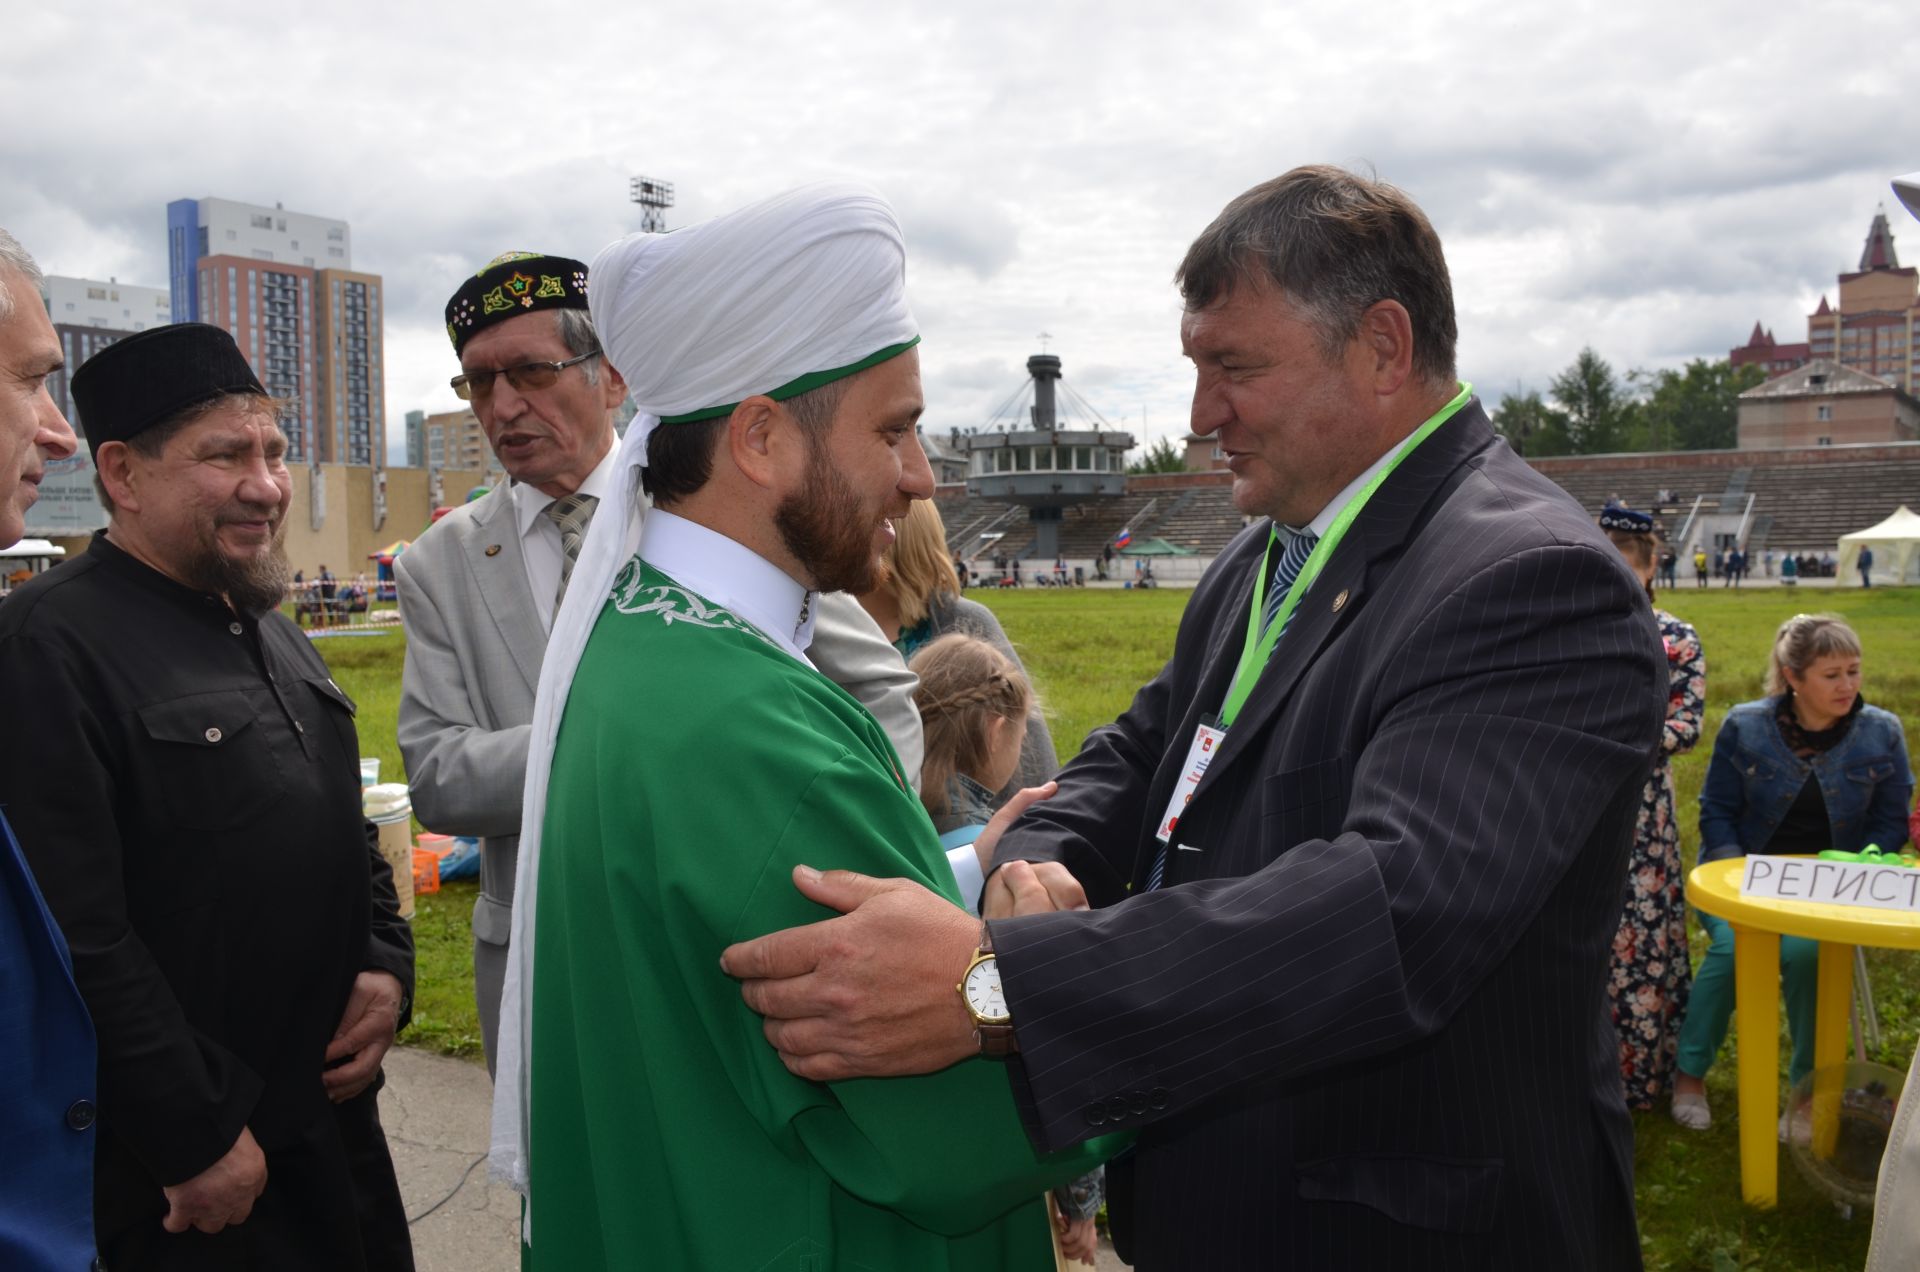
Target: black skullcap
{"type": "Point", "coordinates": [510, 285]}
{"type": "Point", "coordinates": [1627, 520]}
{"type": "Point", "coordinates": [135, 383]}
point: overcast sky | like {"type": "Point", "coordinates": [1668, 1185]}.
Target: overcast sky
{"type": "Point", "coordinates": [1649, 179]}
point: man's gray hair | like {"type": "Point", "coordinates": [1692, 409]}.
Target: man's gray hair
{"type": "Point", "coordinates": [14, 258]}
{"type": "Point", "coordinates": [577, 333]}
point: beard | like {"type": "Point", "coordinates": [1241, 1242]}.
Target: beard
{"type": "Point", "coordinates": [254, 585]}
{"type": "Point", "coordinates": [828, 531]}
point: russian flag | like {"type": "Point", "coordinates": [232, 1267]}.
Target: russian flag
{"type": "Point", "coordinates": [1122, 539]}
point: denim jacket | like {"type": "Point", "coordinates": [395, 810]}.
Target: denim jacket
{"type": "Point", "coordinates": [1753, 778]}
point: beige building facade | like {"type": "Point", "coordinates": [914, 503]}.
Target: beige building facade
{"type": "Point", "coordinates": [344, 513]}
{"type": "Point", "coordinates": [455, 440]}
{"type": "Point", "coordinates": [1203, 454]}
{"type": "Point", "coordinates": [1826, 404]}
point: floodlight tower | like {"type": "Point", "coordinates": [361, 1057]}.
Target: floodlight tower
{"type": "Point", "coordinates": [654, 197]}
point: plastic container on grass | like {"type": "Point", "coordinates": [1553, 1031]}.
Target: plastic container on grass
{"type": "Point", "coordinates": [1838, 1122]}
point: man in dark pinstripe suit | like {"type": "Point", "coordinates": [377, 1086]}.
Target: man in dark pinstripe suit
{"type": "Point", "coordinates": [1347, 985]}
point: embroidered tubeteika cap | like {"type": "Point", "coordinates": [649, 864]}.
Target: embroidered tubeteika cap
{"type": "Point", "coordinates": [1626, 519]}
{"type": "Point", "coordinates": [512, 284]}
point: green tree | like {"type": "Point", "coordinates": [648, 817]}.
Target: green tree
{"type": "Point", "coordinates": [1598, 409]}
{"type": "Point", "coordinates": [1161, 457]}
{"type": "Point", "coordinates": [1530, 426]}
{"type": "Point", "coordinates": [1697, 407]}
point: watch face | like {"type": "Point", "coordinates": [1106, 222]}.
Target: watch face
{"type": "Point", "coordinates": [983, 992]}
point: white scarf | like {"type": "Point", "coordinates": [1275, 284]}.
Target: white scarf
{"type": "Point", "coordinates": [804, 283]}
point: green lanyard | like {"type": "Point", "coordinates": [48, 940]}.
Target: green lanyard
{"type": "Point", "coordinates": [1259, 646]}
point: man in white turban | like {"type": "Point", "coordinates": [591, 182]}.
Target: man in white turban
{"type": "Point", "coordinates": [686, 757]}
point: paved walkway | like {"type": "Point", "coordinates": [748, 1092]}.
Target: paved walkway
{"type": "Point", "coordinates": [436, 1112]}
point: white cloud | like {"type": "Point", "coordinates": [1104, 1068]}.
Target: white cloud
{"type": "Point", "coordinates": [1646, 178]}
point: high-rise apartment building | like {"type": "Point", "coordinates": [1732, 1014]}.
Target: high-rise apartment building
{"type": "Point", "coordinates": [198, 228]}
{"type": "Point", "coordinates": [88, 314]}
{"type": "Point", "coordinates": [283, 285]}
{"type": "Point", "coordinates": [91, 302]}
{"type": "Point", "coordinates": [1873, 329]}
{"type": "Point", "coordinates": [351, 423]}
{"type": "Point", "coordinates": [416, 439]}
{"type": "Point", "coordinates": [454, 439]}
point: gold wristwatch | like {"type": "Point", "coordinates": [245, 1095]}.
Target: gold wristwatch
{"type": "Point", "coordinates": [980, 992]}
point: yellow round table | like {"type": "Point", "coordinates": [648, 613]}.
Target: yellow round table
{"type": "Point", "coordinates": [1758, 924]}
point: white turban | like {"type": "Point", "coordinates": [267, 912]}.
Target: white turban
{"type": "Point", "coordinates": [778, 298]}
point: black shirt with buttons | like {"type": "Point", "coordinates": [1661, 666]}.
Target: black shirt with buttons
{"type": "Point", "coordinates": [185, 783]}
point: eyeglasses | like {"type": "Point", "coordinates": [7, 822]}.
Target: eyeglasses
{"type": "Point", "coordinates": [525, 378]}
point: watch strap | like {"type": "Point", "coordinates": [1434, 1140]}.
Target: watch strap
{"type": "Point", "coordinates": [996, 1041]}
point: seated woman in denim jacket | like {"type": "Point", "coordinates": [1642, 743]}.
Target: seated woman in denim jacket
{"type": "Point", "coordinates": [1808, 768]}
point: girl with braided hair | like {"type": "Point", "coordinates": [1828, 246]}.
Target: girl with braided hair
{"type": "Point", "coordinates": [974, 704]}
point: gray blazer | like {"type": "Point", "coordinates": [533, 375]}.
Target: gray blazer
{"type": "Point", "coordinates": [474, 648]}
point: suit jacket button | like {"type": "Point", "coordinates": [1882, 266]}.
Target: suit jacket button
{"type": "Point", "coordinates": [80, 1114]}
{"type": "Point", "coordinates": [1096, 1114]}
{"type": "Point", "coordinates": [1157, 1098]}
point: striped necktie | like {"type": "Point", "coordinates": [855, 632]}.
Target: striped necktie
{"type": "Point", "coordinates": [1299, 548]}
{"type": "Point", "coordinates": [572, 514]}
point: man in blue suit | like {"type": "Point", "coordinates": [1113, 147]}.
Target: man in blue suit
{"type": "Point", "coordinates": [46, 1039]}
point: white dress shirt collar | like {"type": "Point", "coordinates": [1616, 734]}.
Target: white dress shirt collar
{"type": "Point", "coordinates": [732, 576]}
{"type": "Point", "coordinates": [529, 501]}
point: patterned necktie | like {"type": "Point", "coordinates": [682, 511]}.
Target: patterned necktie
{"type": "Point", "coordinates": [1298, 549]}
{"type": "Point", "coordinates": [572, 514]}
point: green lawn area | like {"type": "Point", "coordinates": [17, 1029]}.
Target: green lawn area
{"type": "Point", "coordinates": [1089, 650]}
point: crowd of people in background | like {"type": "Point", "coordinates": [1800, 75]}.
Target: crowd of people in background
{"type": "Point", "coordinates": [1810, 767]}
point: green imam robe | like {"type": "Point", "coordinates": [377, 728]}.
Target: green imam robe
{"type": "Point", "coordinates": [696, 764]}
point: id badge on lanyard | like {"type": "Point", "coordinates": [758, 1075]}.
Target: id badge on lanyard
{"type": "Point", "coordinates": [1207, 737]}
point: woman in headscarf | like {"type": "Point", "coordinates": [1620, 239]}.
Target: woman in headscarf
{"type": "Point", "coordinates": [1648, 984]}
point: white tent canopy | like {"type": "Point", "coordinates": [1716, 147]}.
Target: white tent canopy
{"type": "Point", "coordinates": [33, 548]}
{"type": "Point", "coordinates": [1896, 550]}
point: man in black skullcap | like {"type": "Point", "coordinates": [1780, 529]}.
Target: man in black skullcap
{"type": "Point", "coordinates": [234, 929]}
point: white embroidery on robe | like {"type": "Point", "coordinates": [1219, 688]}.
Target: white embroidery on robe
{"type": "Point", "coordinates": [673, 603]}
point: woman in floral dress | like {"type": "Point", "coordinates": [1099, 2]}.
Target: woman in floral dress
{"type": "Point", "coordinates": [1648, 983]}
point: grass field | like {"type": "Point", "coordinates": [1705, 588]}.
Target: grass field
{"type": "Point", "coordinates": [1089, 650]}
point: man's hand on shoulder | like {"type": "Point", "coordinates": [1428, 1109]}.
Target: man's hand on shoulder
{"type": "Point", "coordinates": [869, 994]}
{"type": "Point", "coordinates": [221, 1194]}
{"type": "Point", "coordinates": [365, 1032]}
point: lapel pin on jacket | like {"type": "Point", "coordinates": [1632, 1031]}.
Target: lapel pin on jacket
{"type": "Point", "coordinates": [493, 549]}
{"type": "Point", "coordinates": [1340, 601]}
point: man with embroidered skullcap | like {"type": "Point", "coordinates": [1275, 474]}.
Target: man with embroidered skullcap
{"type": "Point", "coordinates": [686, 755]}
{"type": "Point", "coordinates": [233, 926]}
{"type": "Point", "coordinates": [478, 591]}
